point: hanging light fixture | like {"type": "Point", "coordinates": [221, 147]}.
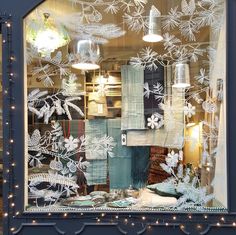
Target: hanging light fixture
{"type": "Point", "coordinates": [181, 75]}
{"type": "Point", "coordinates": [46, 37]}
{"type": "Point", "coordinates": [87, 55]}
{"type": "Point", "coordinates": [153, 31]}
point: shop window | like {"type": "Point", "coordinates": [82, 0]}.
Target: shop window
{"type": "Point", "coordinates": [126, 106]}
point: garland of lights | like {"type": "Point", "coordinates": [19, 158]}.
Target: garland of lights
{"type": "Point", "coordinates": [147, 220]}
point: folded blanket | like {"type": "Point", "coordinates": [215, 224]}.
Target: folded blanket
{"type": "Point", "coordinates": [150, 199]}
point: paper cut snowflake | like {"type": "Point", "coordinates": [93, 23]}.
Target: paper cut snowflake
{"type": "Point", "coordinates": [155, 121]}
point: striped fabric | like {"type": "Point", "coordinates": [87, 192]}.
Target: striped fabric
{"type": "Point", "coordinates": [132, 98]}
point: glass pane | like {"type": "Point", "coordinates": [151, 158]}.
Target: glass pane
{"type": "Point", "coordinates": [126, 105]}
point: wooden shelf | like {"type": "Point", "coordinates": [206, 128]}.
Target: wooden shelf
{"type": "Point", "coordinates": [109, 71]}
{"type": "Point", "coordinates": [109, 95]}
{"type": "Point", "coordinates": [110, 83]}
{"type": "Point", "coordinates": [110, 107]}
{"type": "Point", "coordinates": [113, 93]}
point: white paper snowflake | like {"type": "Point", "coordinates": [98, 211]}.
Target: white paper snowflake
{"type": "Point", "coordinates": [189, 110]}
{"type": "Point", "coordinates": [155, 121]}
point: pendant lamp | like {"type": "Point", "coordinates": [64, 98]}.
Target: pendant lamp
{"type": "Point", "coordinates": [87, 55]}
{"type": "Point", "coordinates": [181, 75]}
{"type": "Point", "coordinates": [153, 31]}
{"type": "Point", "coordinates": [45, 36]}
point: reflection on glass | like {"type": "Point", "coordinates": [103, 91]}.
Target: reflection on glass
{"type": "Point", "coordinates": [118, 122]}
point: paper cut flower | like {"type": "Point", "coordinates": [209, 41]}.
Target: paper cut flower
{"type": "Point", "coordinates": [71, 143]}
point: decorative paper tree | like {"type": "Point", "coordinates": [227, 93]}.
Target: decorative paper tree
{"type": "Point", "coordinates": [58, 153]}
{"type": "Point", "coordinates": [186, 183]}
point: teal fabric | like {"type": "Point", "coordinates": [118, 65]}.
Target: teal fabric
{"type": "Point", "coordinates": [140, 166]}
{"type": "Point", "coordinates": [114, 131]}
{"type": "Point", "coordinates": [97, 170]}
{"type": "Point", "coordinates": [130, 165]}
{"type": "Point", "coordinates": [120, 164]}
{"type": "Point", "coordinates": [164, 189]}
{"type": "Point", "coordinates": [132, 98]}
{"type": "Point", "coordinates": [120, 172]}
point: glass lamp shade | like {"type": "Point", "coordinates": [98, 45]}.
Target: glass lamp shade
{"type": "Point", "coordinates": [153, 32]}
{"type": "Point", "coordinates": [181, 75]}
{"type": "Point", "coordinates": [45, 36]}
{"type": "Point", "coordinates": [47, 41]}
{"type": "Point", "coordinates": [87, 55]}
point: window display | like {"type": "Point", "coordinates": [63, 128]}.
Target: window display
{"type": "Point", "coordinates": [126, 105]}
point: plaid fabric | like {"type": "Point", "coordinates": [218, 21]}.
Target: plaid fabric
{"type": "Point", "coordinates": [172, 135]}
{"type": "Point", "coordinates": [77, 129]}
{"type": "Point", "coordinates": [96, 128]}
{"type": "Point", "coordinates": [132, 98]}
{"type": "Point", "coordinates": [97, 172]}
{"type": "Point", "coordinates": [120, 165]}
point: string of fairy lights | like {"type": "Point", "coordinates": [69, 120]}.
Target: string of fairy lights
{"type": "Point", "coordinates": [146, 220]}
{"type": "Point", "coordinates": [8, 154]}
